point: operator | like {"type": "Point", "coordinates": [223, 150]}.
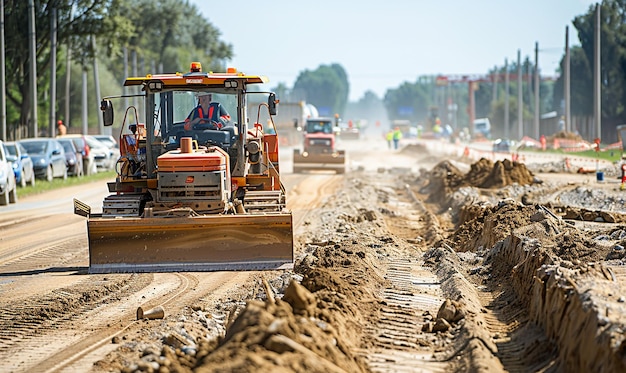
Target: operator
{"type": "Point", "coordinates": [205, 113]}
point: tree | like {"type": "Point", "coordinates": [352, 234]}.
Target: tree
{"type": "Point", "coordinates": [77, 19]}
{"type": "Point", "coordinates": [326, 87]}
{"type": "Point", "coordinates": [170, 34]}
{"type": "Point", "coordinates": [410, 101]}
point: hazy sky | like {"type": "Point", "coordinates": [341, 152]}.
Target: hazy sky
{"type": "Point", "coordinates": [382, 44]}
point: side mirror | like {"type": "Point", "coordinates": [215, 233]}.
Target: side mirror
{"type": "Point", "coordinates": [11, 158]}
{"type": "Point", "coordinates": [107, 112]}
{"type": "Point", "coordinates": [271, 103]}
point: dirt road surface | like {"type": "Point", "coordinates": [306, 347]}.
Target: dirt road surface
{"type": "Point", "coordinates": [429, 258]}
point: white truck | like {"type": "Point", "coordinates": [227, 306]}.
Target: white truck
{"type": "Point", "coordinates": [289, 120]}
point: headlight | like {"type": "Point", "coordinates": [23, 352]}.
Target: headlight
{"type": "Point", "coordinates": [42, 162]}
{"type": "Point", "coordinates": [15, 166]}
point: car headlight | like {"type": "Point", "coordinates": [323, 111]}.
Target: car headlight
{"type": "Point", "coordinates": [15, 166]}
{"type": "Point", "coordinates": [42, 162]}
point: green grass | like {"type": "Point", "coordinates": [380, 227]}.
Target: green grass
{"type": "Point", "coordinates": [42, 186]}
{"type": "Point", "coordinates": [612, 155]}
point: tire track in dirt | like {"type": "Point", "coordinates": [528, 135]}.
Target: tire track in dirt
{"type": "Point", "coordinates": [46, 323]}
{"type": "Point", "coordinates": [521, 345]}
{"type": "Point", "coordinates": [413, 296]}
{"type": "Point", "coordinates": [168, 290]}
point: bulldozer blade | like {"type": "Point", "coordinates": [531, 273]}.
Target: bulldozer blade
{"type": "Point", "coordinates": [319, 162]}
{"type": "Point", "coordinates": [197, 243]}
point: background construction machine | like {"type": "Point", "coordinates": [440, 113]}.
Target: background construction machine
{"type": "Point", "coordinates": [319, 150]}
{"type": "Point", "coordinates": [192, 199]}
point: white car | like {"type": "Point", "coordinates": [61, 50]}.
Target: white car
{"type": "Point", "coordinates": [104, 157]}
{"type": "Point", "coordinates": [112, 144]}
{"type": "Point", "coordinates": [8, 185]}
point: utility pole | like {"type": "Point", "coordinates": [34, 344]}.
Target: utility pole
{"type": "Point", "coordinates": [85, 103]}
{"type": "Point", "coordinates": [536, 122]}
{"type": "Point", "coordinates": [53, 71]}
{"type": "Point", "coordinates": [520, 99]}
{"type": "Point", "coordinates": [494, 77]}
{"type": "Point", "coordinates": [32, 69]}
{"type": "Point", "coordinates": [3, 85]}
{"type": "Point", "coordinates": [96, 81]}
{"type": "Point", "coordinates": [125, 89]}
{"type": "Point", "coordinates": [597, 102]}
{"type": "Point", "coordinates": [506, 98]}
{"type": "Point", "coordinates": [566, 85]}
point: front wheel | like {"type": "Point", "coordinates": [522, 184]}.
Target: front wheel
{"type": "Point", "coordinates": [79, 170]}
{"type": "Point", "coordinates": [13, 195]}
{"type": "Point", "coordinates": [4, 198]}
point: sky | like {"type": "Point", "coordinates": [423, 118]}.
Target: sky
{"type": "Point", "coordinates": [384, 43]}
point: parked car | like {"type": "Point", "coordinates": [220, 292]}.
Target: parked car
{"type": "Point", "coordinates": [501, 145]}
{"type": "Point", "coordinates": [112, 144]}
{"type": "Point", "coordinates": [48, 157]}
{"type": "Point", "coordinates": [107, 140]}
{"type": "Point", "coordinates": [80, 142]}
{"type": "Point", "coordinates": [8, 186]}
{"type": "Point", "coordinates": [73, 158]}
{"type": "Point", "coordinates": [22, 163]}
{"type": "Point", "coordinates": [103, 155]}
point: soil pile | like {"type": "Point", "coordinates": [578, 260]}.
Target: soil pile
{"type": "Point", "coordinates": [445, 178]}
{"type": "Point", "coordinates": [486, 174]}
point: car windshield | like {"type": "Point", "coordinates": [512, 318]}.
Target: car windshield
{"type": "Point", "coordinates": [186, 101]}
{"type": "Point", "coordinates": [36, 147]}
{"type": "Point", "coordinates": [67, 146]}
{"type": "Point", "coordinates": [93, 143]}
{"type": "Point", "coordinates": [11, 149]}
{"type": "Point", "coordinates": [316, 126]}
{"type": "Point", "coordinates": [106, 140]}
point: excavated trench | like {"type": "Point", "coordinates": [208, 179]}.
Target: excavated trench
{"type": "Point", "coordinates": [436, 271]}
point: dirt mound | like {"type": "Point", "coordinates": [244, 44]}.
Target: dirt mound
{"type": "Point", "coordinates": [445, 178]}
{"type": "Point", "coordinates": [483, 226]}
{"type": "Point", "coordinates": [414, 148]}
{"type": "Point", "coordinates": [486, 174]}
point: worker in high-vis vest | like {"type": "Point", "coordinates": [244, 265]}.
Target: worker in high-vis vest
{"type": "Point", "coordinates": [207, 115]}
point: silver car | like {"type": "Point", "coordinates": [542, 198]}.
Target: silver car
{"type": "Point", "coordinates": [103, 155]}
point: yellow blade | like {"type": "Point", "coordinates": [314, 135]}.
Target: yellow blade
{"type": "Point", "coordinates": [199, 243]}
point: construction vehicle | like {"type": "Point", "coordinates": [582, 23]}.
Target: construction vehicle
{"type": "Point", "coordinates": [319, 151]}
{"type": "Point", "coordinates": [201, 198]}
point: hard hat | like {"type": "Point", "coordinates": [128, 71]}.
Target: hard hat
{"type": "Point", "coordinates": [201, 94]}
{"type": "Point", "coordinates": [60, 122]}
